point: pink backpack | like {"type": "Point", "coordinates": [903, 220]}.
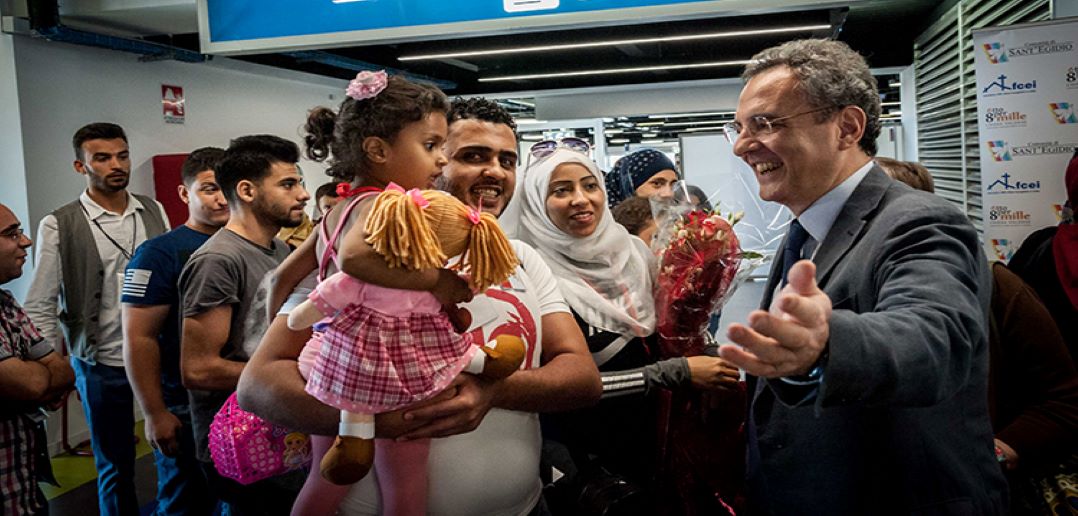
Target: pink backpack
{"type": "Point", "coordinates": [246, 448]}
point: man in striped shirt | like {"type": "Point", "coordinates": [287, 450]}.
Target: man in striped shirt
{"type": "Point", "coordinates": [32, 376]}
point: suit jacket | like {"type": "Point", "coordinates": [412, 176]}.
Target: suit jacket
{"type": "Point", "coordinates": [899, 423]}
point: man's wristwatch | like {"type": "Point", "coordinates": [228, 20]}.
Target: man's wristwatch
{"type": "Point", "coordinates": [813, 377]}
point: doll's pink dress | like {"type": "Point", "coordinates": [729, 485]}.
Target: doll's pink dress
{"type": "Point", "coordinates": [385, 349]}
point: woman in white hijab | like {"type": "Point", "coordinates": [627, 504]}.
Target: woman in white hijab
{"type": "Point", "coordinates": [605, 275]}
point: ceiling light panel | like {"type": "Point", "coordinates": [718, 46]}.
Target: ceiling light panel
{"type": "Point", "coordinates": [613, 43]}
{"type": "Point", "coordinates": [609, 71]}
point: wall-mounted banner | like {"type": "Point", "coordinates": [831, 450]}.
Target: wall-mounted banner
{"type": "Point", "coordinates": [1027, 95]}
{"type": "Point", "coordinates": [239, 26]}
{"type": "Point", "coordinates": [173, 104]}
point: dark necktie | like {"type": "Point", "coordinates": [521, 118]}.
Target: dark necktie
{"type": "Point", "coordinates": [795, 240]}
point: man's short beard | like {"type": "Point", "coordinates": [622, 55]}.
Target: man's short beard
{"type": "Point", "coordinates": [268, 215]}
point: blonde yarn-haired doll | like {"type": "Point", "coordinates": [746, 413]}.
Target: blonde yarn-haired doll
{"type": "Point", "coordinates": [388, 348]}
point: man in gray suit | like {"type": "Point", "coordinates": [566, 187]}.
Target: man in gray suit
{"type": "Point", "coordinates": [869, 356]}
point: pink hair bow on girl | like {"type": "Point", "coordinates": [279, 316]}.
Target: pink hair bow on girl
{"type": "Point", "coordinates": [367, 84]}
{"type": "Point", "coordinates": [415, 193]}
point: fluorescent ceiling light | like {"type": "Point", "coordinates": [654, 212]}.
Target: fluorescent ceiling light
{"type": "Point", "coordinates": [609, 71]}
{"type": "Point", "coordinates": [656, 140]}
{"type": "Point", "coordinates": [712, 128]}
{"type": "Point", "coordinates": [648, 124]}
{"type": "Point", "coordinates": [612, 43]}
{"type": "Point", "coordinates": [619, 140]}
{"type": "Point", "coordinates": [895, 103]}
{"type": "Point", "coordinates": [689, 115]}
{"type": "Point", "coordinates": [698, 122]}
{"type": "Point", "coordinates": [526, 121]}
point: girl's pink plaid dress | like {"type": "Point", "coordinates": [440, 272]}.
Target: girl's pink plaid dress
{"type": "Point", "coordinates": [385, 349]}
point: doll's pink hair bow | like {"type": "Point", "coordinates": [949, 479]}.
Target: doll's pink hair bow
{"type": "Point", "coordinates": [415, 193]}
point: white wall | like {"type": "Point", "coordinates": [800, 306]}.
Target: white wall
{"type": "Point", "coordinates": [12, 171]}
{"type": "Point", "coordinates": [62, 87]}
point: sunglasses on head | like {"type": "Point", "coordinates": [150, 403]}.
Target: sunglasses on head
{"type": "Point", "coordinates": [547, 147]}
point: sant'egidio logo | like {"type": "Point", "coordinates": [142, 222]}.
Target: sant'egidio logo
{"type": "Point", "coordinates": [1001, 150]}
{"type": "Point", "coordinates": [995, 52]}
{"type": "Point", "coordinates": [998, 52]}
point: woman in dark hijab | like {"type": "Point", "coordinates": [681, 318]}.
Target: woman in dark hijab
{"type": "Point", "coordinates": [644, 173]}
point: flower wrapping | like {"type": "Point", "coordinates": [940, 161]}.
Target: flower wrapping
{"type": "Point", "coordinates": [699, 267]}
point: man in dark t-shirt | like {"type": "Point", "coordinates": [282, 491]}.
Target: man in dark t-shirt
{"type": "Point", "coordinates": [260, 180]}
{"type": "Point", "coordinates": [151, 328]}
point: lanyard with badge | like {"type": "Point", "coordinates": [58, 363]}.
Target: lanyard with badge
{"type": "Point", "coordinates": [134, 229]}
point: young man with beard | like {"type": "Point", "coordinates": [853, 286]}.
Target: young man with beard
{"type": "Point", "coordinates": [83, 248]}
{"type": "Point", "coordinates": [32, 376]}
{"type": "Point", "coordinates": [485, 455]}
{"type": "Point", "coordinates": [260, 180]}
{"type": "Point", "coordinates": [151, 323]}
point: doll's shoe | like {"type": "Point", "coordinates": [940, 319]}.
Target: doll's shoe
{"type": "Point", "coordinates": [504, 358]}
{"type": "Point", "coordinates": [348, 460]}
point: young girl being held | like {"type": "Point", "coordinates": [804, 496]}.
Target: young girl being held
{"type": "Point", "coordinates": [387, 132]}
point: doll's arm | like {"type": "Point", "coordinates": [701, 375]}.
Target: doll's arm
{"type": "Point", "coordinates": [304, 316]}
{"type": "Point", "coordinates": [332, 294]}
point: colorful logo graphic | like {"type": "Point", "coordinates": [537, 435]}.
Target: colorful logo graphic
{"type": "Point", "coordinates": [1063, 112]}
{"type": "Point", "coordinates": [995, 52]}
{"type": "Point", "coordinates": [1001, 86]}
{"type": "Point", "coordinates": [1001, 247]}
{"type": "Point", "coordinates": [1000, 150]}
{"type": "Point", "coordinates": [1005, 185]}
{"type": "Point", "coordinates": [1057, 210]}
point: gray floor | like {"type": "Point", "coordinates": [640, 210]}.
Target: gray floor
{"type": "Point", "coordinates": [82, 501]}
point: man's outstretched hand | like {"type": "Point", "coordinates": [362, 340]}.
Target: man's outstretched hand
{"type": "Point", "coordinates": [788, 340]}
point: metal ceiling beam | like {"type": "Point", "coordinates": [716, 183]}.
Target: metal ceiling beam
{"type": "Point", "coordinates": [347, 63]}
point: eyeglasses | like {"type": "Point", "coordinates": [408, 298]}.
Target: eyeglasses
{"type": "Point", "coordinates": [15, 234]}
{"type": "Point", "coordinates": [760, 124]}
{"type": "Point", "coordinates": [547, 147]}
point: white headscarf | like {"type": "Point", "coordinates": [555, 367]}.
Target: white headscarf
{"type": "Point", "coordinates": [606, 276]}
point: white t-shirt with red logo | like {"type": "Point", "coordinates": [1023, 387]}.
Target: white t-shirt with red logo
{"type": "Point", "coordinates": [495, 468]}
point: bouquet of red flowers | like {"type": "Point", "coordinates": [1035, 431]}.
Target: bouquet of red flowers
{"type": "Point", "coordinates": [700, 442]}
{"type": "Point", "coordinates": [699, 268]}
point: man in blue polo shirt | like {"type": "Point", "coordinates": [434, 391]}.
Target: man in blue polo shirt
{"type": "Point", "coordinates": [151, 327]}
